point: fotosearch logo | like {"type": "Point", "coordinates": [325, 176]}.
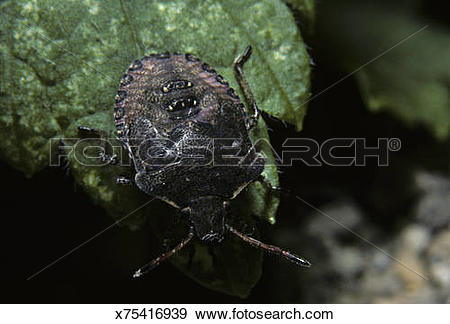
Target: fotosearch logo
{"type": "Point", "coordinates": [222, 152]}
{"type": "Point", "coordinates": [338, 151]}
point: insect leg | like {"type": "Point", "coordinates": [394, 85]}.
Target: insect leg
{"type": "Point", "coordinates": [163, 257]}
{"type": "Point", "coordinates": [270, 248]}
{"type": "Point", "coordinates": [94, 131]}
{"type": "Point", "coordinates": [103, 138]}
{"type": "Point", "coordinates": [239, 75]}
{"type": "Point", "coordinates": [123, 180]}
{"type": "Point", "coordinates": [62, 157]}
{"type": "Point", "coordinates": [263, 180]}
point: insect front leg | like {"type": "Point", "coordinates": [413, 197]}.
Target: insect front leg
{"type": "Point", "coordinates": [243, 84]}
{"type": "Point", "coordinates": [123, 180]}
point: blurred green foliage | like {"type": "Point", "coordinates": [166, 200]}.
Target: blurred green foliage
{"type": "Point", "coordinates": [401, 60]}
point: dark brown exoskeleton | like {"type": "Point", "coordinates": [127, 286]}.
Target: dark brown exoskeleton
{"type": "Point", "coordinates": [178, 118]}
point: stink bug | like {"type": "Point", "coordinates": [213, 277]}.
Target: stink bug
{"type": "Point", "coordinates": [171, 110]}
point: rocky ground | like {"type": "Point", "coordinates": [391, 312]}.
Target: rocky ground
{"type": "Point", "coordinates": [360, 263]}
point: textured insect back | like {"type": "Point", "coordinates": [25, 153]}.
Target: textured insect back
{"type": "Point", "coordinates": [168, 103]}
{"type": "Point", "coordinates": [181, 122]}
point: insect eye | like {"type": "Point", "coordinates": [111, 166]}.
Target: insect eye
{"type": "Point", "coordinates": [183, 107]}
{"type": "Point", "coordinates": [176, 85]}
{"type": "Point", "coordinates": [184, 103]}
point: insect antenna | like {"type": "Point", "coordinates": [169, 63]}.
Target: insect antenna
{"type": "Point", "coordinates": [163, 257]}
{"type": "Point", "coordinates": [269, 248]}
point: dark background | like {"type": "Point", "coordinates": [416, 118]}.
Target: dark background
{"type": "Point", "coordinates": [46, 216]}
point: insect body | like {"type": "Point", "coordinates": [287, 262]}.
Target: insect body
{"type": "Point", "coordinates": [178, 118]}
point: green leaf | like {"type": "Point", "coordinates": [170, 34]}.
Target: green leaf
{"type": "Point", "coordinates": [61, 63]}
{"type": "Point", "coordinates": [408, 72]}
